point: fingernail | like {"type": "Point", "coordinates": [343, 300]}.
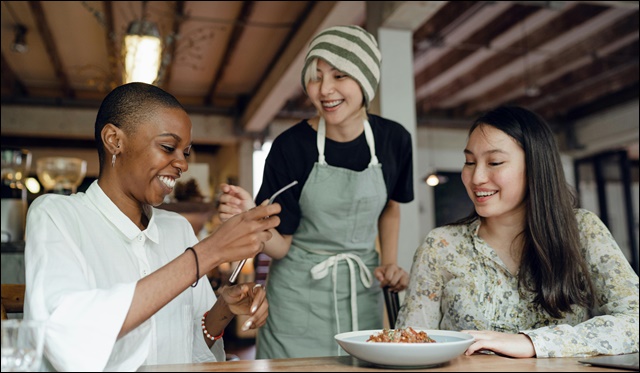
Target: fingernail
{"type": "Point", "coordinates": [253, 309]}
{"type": "Point", "coordinates": [246, 325]}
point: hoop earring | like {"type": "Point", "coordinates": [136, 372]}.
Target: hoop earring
{"type": "Point", "coordinates": [113, 160]}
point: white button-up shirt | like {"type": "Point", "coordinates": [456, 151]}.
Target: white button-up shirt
{"type": "Point", "coordinates": [83, 258]}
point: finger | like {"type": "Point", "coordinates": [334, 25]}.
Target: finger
{"type": "Point", "coordinates": [240, 192]}
{"type": "Point", "coordinates": [477, 346]}
{"type": "Point", "coordinates": [259, 318]}
{"type": "Point", "coordinates": [263, 211]}
{"type": "Point", "coordinates": [238, 292]}
{"type": "Point", "coordinates": [397, 278]}
{"type": "Point", "coordinates": [257, 288]}
{"type": "Point", "coordinates": [402, 280]}
{"type": "Point", "coordinates": [268, 223]}
{"type": "Point", "coordinates": [248, 325]}
{"type": "Point", "coordinates": [379, 273]}
{"type": "Point", "coordinates": [258, 297]}
{"type": "Point", "coordinates": [230, 200]}
{"type": "Point", "coordinates": [229, 209]}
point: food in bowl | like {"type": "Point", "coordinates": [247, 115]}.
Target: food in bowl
{"type": "Point", "coordinates": [407, 335]}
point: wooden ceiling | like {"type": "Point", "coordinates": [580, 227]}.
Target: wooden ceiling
{"type": "Point", "coordinates": [242, 59]}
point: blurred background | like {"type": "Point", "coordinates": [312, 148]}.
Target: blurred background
{"type": "Point", "coordinates": [235, 65]}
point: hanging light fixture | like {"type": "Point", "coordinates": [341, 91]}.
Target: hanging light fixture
{"type": "Point", "coordinates": [20, 40]}
{"type": "Point", "coordinates": [142, 52]}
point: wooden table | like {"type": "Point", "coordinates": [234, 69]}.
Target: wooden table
{"type": "Point", "coordinates": [474, 363]}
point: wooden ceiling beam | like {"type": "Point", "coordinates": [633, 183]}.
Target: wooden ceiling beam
{"type": "Point", "coordinates": [571, 18]}
{"type": "Point", "coordinates": [435, 28]}
{"type": "Point", "coordinates": [178, 19]}
{"type": "Point", "coordinates": [502, 23]}
{"type": "Point", "coordinates": [44, 29]}
{"type": "Point", "coordinates": [113, 52]}
{"type": "Point", "coordinates": [570, 58]}
{"type": "Point", "coordinates": [409, 15]}
{"type": "Point", "coordinates": [587, 91]}
{"type": "Point", "coordinates": [230, 49]}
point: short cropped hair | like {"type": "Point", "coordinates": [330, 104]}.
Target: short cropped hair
{"type": "Point", "coordinates": [127, 106]}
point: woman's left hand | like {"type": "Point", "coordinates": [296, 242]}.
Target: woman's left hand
{"type": "Point", "coordinates": [396, 278]}
{"type": "Point", "coordinates": [508, 344]}
{"type": "Point", "coordinates": [247, 299]}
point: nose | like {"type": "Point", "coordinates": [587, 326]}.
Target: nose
{"type": "Point", "coordinates": [479, 175]}
{"type": "Point", "coordinates": [181, 164]}
{"type": "Point", "coordinates": [326, 86]}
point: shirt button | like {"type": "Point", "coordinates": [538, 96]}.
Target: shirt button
{"type": "Point", "coordinates": [140, 238]}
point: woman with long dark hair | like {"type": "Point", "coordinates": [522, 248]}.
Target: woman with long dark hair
{"type": "Point", "coordinates": [527, 273]}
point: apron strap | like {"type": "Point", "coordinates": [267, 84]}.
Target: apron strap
{"type": "Point", "coordinates": [368, 134]}
{"type": "Point", "coordinates": [322, 134]}
{"type": "Point", "coordinates": [321, 270]}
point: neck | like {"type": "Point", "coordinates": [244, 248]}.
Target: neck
{"type": "Point", "coordinates": [130, 207]}
{"type": "Point", "coordinates": [345, 131]}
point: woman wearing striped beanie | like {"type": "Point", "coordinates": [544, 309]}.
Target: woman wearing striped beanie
{"type": "Point", "coordinates": [353, 169]}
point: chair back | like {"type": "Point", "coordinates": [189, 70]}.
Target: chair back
{"type": "Point", "coordinates": [12, 299]}
{"type": "Point", "coordinates": [392, 302]}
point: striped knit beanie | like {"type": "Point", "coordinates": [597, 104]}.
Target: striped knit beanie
{"type": "Point", "coordinates": [351, 50]}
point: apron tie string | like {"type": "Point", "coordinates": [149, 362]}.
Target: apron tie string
{"type": "Point", "coordinates": [321, 270]}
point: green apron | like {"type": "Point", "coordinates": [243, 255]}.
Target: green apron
{"type": "Point", "coordinates": [324, 285]}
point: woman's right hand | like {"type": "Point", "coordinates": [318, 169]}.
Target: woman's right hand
{"type": "Point", "coordinates": [243, 235]}
{"type": "Point", "coordinates": [233, 200]}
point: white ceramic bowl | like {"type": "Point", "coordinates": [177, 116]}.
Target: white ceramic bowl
{"type": "Point", "coordinates": [448, 345]}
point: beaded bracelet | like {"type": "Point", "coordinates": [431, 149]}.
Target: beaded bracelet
{"type": "Point", "coordinates": [206, 332]}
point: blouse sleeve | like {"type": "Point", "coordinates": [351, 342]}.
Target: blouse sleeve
{"type": "Point", "coordinates": [421, 305]}
{"type": "Point", "coordinates": [614, 329]}
{"type": "Point", "coordinates": [83, 322]}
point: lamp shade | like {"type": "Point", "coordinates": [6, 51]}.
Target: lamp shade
{"type": "Point", "coordinates": [143, 51]}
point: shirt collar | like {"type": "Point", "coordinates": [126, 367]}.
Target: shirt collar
{"type": "Point", "coordinates": [121, 221]}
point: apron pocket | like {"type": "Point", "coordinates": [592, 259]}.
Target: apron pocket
{"type": "Point", "coordinates": [288, 295]}
{"type": "Point", "coordinates": [366, 220]}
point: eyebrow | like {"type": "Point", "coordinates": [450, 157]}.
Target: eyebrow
{"type": "Point", "coordinates": [176, 137]}
{"type": "Point", "coordinates": [492, 151]}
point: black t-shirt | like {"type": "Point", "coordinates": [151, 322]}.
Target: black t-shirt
{"type": "Point", "coordinates": [294, 153]}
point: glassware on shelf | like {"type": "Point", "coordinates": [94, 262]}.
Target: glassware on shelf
{"type": "Point", "coordinates": [15, 169]}
{"type": "Point", "coordinates": [22, 345]}
{"type": "Point", "coordinates": [61, 175]}
{"type": "Point", "coordinates": [15, 166]}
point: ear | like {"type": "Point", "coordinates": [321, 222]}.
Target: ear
{"type": "Point", "coordinates": [111, 138]}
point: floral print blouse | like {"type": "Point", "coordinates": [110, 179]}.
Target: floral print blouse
{"type": "Point", "coordinates": [458, 282]}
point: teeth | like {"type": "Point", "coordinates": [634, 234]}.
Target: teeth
{"type": "Point", "coordinates": [168, 181]}
{"type": "Point", "coordinates": [330, 104]}
{"type": "Point", "coordinates": [484, 194]}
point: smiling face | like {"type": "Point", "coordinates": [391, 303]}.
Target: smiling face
{"type": "Point", "coordinates": [494, 173]}
{"type": "Point", "coordinates": [336, 96]}
{"type": "Point", "coordinates": [154, 156]}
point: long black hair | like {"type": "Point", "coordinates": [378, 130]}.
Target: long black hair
{"type": "Point", "coordinates": [551, 256]}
